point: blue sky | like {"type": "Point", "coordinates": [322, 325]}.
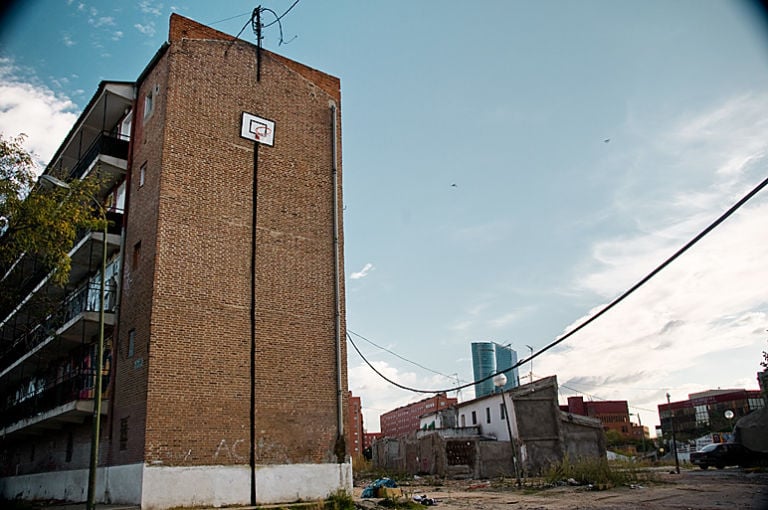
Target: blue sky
{"type": "Point", "coordinates": [509, 168]}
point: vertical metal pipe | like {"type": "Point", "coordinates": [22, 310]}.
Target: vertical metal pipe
{"type": "Point", "coordinates": [97, 383]}
{"type": "Point", "coordinates": [337, 277]}
{"type": "Point", "coordinates": [252, 406]}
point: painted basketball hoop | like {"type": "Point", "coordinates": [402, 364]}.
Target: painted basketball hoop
{"type": "Point", "coordinates": [257, 129]}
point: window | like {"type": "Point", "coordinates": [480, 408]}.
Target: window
{"type": "Point", "coordinates": [131, 343]}
{"type": "Point", "coordinates": [502, 412]}
{"type": "Point", "coordinates": [149, 102]}
{"type": "Point", "coordinates": [123, 433]}
{"type": "Point", "coordinates": [487, 415]}
{"type": "Point", "coordinates": [474, 418]}
{"type": "Point", "coordinates": [136, 255]}
{"type": "Point", "coordinates": [142, 174]}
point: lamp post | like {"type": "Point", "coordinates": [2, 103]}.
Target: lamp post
{"type": "Point", "coordinates": [674, 441]}
{"type": "Point", "coordinates": [729, 416]}
{"type": "Point", "coordinates": [97, 383]}
{"type": "Point", "coordinates": [499, 380]}
{"type": "Point", "coordinates": [531, 374]}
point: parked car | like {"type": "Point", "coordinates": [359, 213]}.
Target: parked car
{"type": "Point", "coordinates": [720, 455]}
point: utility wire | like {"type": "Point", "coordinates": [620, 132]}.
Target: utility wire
{"type": "Point", "coordinates": [278, 18]}
{"type": "Point", "coordinates": [230, 18]}
{"type": "Point", "coordinates": [605, 309]}
{"type": "Point", "coordinates": [401, 357]}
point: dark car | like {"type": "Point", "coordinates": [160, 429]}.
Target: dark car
{"type": "Point", "coordinates": [719, 455]}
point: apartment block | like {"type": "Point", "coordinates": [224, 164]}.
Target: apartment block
{"type": "Point", "coordinates": [614, 414]}
{"type": "Point", "coordinates": [355, 428]}
{"type": "Point", "coordinates": [405, 419]}
{"type": "Point", "coordinates": [220, 171]}
{"type": "Point", "coordinates": [707, 411]}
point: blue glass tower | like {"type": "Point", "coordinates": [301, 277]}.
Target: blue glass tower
{"type": "Point", "coordinates": [506, 357]}
{"type": "Point", "coordinates": [483, 365]}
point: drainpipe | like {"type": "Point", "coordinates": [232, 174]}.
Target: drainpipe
{"type": "Point", "coordinates": [340, 444]}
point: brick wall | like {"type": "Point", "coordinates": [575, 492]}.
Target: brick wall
{"type": "Point", "coordinates": [199, 206]}
{"type": "Point", "coordinates": [137, 288]}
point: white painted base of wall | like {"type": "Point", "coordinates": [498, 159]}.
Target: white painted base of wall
{"type": "Point", "coordinates": [160, 487]}
{"type": "Point", "coordinates": [116, 484]}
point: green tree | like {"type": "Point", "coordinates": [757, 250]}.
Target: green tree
{"type": "Point", "coordinates": [37, 222]}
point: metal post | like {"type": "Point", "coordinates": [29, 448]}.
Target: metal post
{"type": "Point", "coordinates": [512, 443]}
{"type": "Point", "coordinates": [97, 391]}
{"type": "Point", "coordinates": [674, 441]}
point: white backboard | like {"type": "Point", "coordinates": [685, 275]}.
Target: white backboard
{"type": "Point", "coordinates": [258, 129]}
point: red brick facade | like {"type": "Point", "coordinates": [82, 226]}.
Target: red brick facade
{"type": "Point", "coordinates": [355, 429]}
{"type": "Point", "coordinates": [614, 414]}
{"type": "Point", "coordinates": [193, 220]}
{"type": "Point", "coordinates": [182, 378]}
{"type": "Point", "coordinates": [405, 420]}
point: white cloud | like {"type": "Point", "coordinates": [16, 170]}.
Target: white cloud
{"type": "Point", "coordinates": [103, 21]}
{"type": "Point", "coordinates": [704, 309]}
{"type": "Point", "coordinates": [148, 7]}
{"type": "Point", "coordinates": [35, 110]}
{"type": "Point", "coordinates": [363, 272]}
{"type": "Point", "coordinates": [379, 396]}
{"type": "Point", "coordinates": [67, 40]}
{"type": "Point", "coordinates": [146, 29]}
{"type": "Point", "coordinates": [507, 319]}
{"type": "Point", "coordinates": [117, 35]}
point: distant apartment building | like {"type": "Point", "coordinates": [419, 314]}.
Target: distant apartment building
{"type": "Point", "coordinates": [613, 414]}
{"type": "Point", "coordinates": [220, 174]}
{"type": "Point", "coordinates": [489, 358]}
{"type": "Point", "coordinates": [705, 412]}
{"type": "Point", "coordinates": [355, 429]}
{"type": "Point", "coordinates": [405, 420]}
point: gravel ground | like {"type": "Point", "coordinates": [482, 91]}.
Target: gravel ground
{"type": "Point", "coordinates": [730, 489]}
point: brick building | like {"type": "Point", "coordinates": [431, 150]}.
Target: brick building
{"type": "Point", "coordinates": [704, 412]}
{"type": "Point", "coordinates": [224, 292]}
{"type": "Point", "coordinates": [355, 429]}
{"type": "Point", "coordinates": [405, 420]}
{"type": "Point", "coordinates": [614, 414]}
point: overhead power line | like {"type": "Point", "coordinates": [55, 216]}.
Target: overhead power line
{"type": "Point", "coordinates": [599, 314]}
{"type": "Point", "coordinates": [401, 357]}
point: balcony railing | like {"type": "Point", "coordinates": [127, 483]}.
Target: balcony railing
{"type": "Point", "coordinates": [71, 380]}
{"type": "Point", "coordinates": [30, 273]}
{"type": "Point", "coordinates": [86, 299]}
{"type": "Point", "coordinates": [104, 144]}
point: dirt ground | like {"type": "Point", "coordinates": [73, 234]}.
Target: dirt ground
{"type": "Point", "coordinates": [732, 489]}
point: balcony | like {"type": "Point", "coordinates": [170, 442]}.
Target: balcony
{"type": "Point", "coordinates": [73, 323]}
{"type": "Point", "coordinates": [50, 401]}
{"type": "Point", "coordinates": [110, 152]}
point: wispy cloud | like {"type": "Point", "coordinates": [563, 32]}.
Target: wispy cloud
{"type": "Point", "coordinates": [709, 301]}
{"type": "Point", "coordinates": [147, 29]}
{"type": "Point", "coordinates": [363, 272]}
{"type": "Point", "coordinates": [67, 40]}
{"type": "Point", "coordinates": [103, 21]}
{"type": "Point", "coordinates": [151, 8]}
{"type": "Point", "coordinates": [379, 396]}
{"type": "Point", "coordinates": [30, 108]}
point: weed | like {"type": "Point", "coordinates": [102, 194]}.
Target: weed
{"type": "Point", "coordinates": [597, 471]}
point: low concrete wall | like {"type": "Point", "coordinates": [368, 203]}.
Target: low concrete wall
{"type": "Point", "coordinates": [161, 487]}
{"type": "Point", "coordinates": [116, 484]}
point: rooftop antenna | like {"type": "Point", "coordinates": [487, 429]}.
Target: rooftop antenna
{"type": "Point", "coordinates": [256, 22]}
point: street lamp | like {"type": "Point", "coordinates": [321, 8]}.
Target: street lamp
{"type": "Point", "coordinates": [531, 349]}
{"type": "Point", "coordinates": [729, 416]}
{"type": "Point", "coordinates": [499, 380]}
{"type": "Point", "coordinates": [97, 390]}
{"type": "Point", "coordinates": [674, 441]}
